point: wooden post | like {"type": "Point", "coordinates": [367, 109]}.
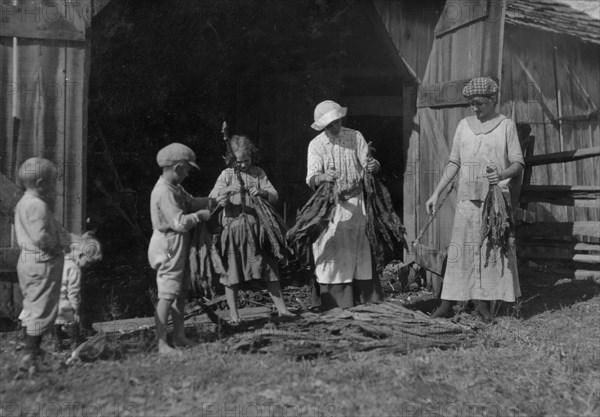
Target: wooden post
{"type": "Point", "coordinates": [16, 124]}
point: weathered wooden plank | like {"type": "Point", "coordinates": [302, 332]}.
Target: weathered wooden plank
{"type": "Point", "coordinates": [556, 276]}
{"type": "Point", "coordinates": [75, 137]}
{"type": "Point", "coordinates": [460, 14]}
{"type": "Point", "coordinates": [442, 94]}
{"type": "Point", "coordinates": [45, 20]}
{"type": "Point", "coordinates": [566, 195]}
{"type": "Point", "coordinates": [574, 247]}
{"type": "Point", "coordinates": [411, 129]}
{"type": "Point", "coordinates": [564, 254]}
{"type": "Point", "coordinates": [410, 29]}
{"type": "Point", "coordinates": [585, 231]}
{"type": "Point", "coordinates": [368, 9]}
{"type": "Point", "coordinates": [560, 157]}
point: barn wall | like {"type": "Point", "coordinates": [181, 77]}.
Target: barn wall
{"type": "Point", "coordinates": [472, 49]}
{"type": "Point", "coordinates": [51, 98]}
{"type": "Point", "coordinates": [410, 25]}
{"type": "Point", "coordinates": [545, 77]}
{"type": "Point", "coordinates": [51, 92]}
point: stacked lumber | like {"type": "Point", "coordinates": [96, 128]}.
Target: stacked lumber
{"type": "Point", "coordinates": [558, 250]}
{"type": "Point", "coordinates": [566, 250]}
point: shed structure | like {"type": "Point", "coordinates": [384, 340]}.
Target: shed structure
{"type": "Point", "coordinates": [43, 112]}
{"type": "Point", "coordinates": [399, 65]}
{"type": "Point", "coordinates": [545, 55]}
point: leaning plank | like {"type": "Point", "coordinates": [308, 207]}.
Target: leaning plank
{"type": "Point", "coordinates": [583, 231]}
{"type": "Point", "coordinates": [557, 276]}
{"type": "Point", "coordinates": [568, 195]}
{"type": "Point", "coordinates": [541, 252]}
{"type": "Point", "coordinates": [558, 157]}
{"type": "Point", "coordinates": [585, 275]}
{"type": "Point", "coordinates": [575, 247]}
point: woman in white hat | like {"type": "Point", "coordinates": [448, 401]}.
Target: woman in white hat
{"type": "Point", "coordinates": [343, 263]}
{"type": "Point", "coordinates": [486, 150]}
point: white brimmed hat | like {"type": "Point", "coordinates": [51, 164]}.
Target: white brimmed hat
{"type": "Point", "coordinates": [326, 112]}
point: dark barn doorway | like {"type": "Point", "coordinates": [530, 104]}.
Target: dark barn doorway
{"type": "Point", "coordinates": [174, 70]}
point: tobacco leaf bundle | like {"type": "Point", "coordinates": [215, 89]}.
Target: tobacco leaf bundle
{"type": "Point", "coordinates": [272, 229]}
{"type": "Point", "coordinates": [496, 225]}
{"type": "Point", "coordinates": [312, 221]}
{"type": "Point", "coordinates": [384, 228]}
{"type": "Point", "coordinates": [206, 266]}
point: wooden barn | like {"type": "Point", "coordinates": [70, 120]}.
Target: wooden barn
{"type": "Point", "coordinates": [546, 55]}
{"type": "Point", "coordinates": [44, 66]}
{"type": "Point", "coordinates": [148, 73]}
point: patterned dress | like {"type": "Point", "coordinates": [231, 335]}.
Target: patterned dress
{"type": "Point", "coordinates": [469, 275]}
{"type": "Point", "coordinates": [342, 253]}
{"type": "Point", "coordinates": [238, 246]}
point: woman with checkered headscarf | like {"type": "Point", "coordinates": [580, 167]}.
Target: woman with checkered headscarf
{"type": "Point", "coordinates": [486, 151]}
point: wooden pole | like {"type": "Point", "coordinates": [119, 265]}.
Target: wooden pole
{"type": "Point", "coordinates": [16, 123]}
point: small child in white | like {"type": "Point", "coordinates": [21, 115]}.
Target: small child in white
{"type": "Point", "coordinates": [84, 251]}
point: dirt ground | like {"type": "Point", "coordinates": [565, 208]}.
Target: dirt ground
{"type": "Point", "coordinates": [540, 359]}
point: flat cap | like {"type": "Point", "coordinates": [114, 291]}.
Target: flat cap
{"type": "Point", "coordinates": [480, 86]}
{"type": "Point", "coordinates": [174, 153]}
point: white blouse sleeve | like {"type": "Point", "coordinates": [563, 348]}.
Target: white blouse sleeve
{"type": "Point", "coordinates": [314, 163]}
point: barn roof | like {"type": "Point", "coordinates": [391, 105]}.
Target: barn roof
{"type": "Point", "coordinates": [567, 17]}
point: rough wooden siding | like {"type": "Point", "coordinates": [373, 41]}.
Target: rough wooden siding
{"type": "Point", "coordinates": [52, 108]}
{"type": "Point", "coordinates": [539, 73]}
{"type": "Point", "coordinates": [410, 25]}
{"type": "Point", "coordinates": [468, 52]}
{"type": "Point", "coordinates": [52, 100]}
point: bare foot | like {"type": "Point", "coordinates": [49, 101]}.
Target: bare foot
{"type": "Point", "coordinates": [183, 342]}
{"type": "Point", "coordinates": [286, 313]}
{"type": "Point", "coordinates": [166, 350]}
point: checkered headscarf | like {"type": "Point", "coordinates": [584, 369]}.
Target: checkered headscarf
{"type": "Point", "coordinates": [480, 86]}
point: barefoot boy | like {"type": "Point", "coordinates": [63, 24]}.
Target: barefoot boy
{"type": "Point", "coordinates": [42, 241]}
{"type": "Point", "coordinates": [174, 212]}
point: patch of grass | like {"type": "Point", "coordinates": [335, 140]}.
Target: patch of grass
{"type": "Point", "coordinates": [547, 365]}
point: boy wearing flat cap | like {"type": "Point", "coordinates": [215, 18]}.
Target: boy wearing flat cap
{"type": "Point", "coordinates": [174, 213]}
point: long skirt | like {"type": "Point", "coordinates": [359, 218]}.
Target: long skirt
{"type": "Point", "coordinates": [349, 294]}
{"type": "Point", "coordinates": [243, 259]}
{"type": "Point", "coordinates": [343, 262]}
{"type": "Point", "coordinates": [470, 274]}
